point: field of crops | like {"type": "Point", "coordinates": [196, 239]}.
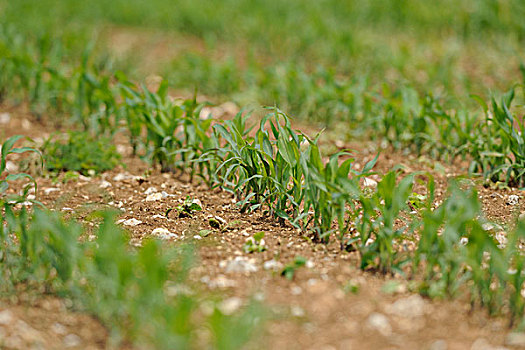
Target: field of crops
{"type": "Point", "coordinates": [262, 174]}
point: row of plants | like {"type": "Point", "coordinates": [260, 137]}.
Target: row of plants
{"type": "Point", "coordinates": [102, 102]}
{"type": "Point", "coordinates": [400, 115]}
{"type": "Point", "coordinates": [333, 34]}
{"type": "Point", "coordinates": [142, 294]}
{"type": "Point", "coordinates": [456, 251]}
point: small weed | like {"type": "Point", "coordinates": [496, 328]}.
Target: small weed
{"type": "Point", "coordinates": [204, 233]}
{"type": "Point", "coordinates": [351, 287]}
{"type": "Point", "coordinates": [290, 269]}
{"type": "Point", "coordinates": [187, 208]}
{"type": "Point", "coordinates": [255, 244]}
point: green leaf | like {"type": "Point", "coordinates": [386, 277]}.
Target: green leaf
{"type": "Point", "coordinates": [258, 236]}
{"type": "Point", "coordinates": [204, 233]}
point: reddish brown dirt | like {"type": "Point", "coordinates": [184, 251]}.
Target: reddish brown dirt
{"type": "Point", "coordinates": [315, 310]}
{"type": "Point", "coordinates": [47, 323]}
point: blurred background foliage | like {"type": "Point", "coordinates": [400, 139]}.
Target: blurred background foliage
{"type": "Point", "coordinates": [245, 49]}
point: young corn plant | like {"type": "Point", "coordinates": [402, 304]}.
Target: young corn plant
{"type": "Point", "coordinates": [380, 226]}
{"type": "Point", "coordinates": [286, 165]}
{"type": "Point", "coordinates": [155, 112]}
{"type": "Point", "coordinates": [441, 253]}
{"type": "Point", "coordinates": [512, 131]}
{"type": "Point", "coordinates": [320, 185]}
{"type": "Point", "coordinates": [130, 109]}
{"type": "Point", "coordinates": [9, 221]}
{"type": "Point", "coordinates": [499, 152]}
{"type": "Point", "coordinates": [197, 140]}
{"type": "Point", "coordinates": [495, 271]}
{"type": "Point", "coordinates": [96, 104]}
{"type": "Point", "coordinates": [515, 273]}
{"type": "Point", "coordinates": [487, 269]}
{"type": "Point", "coordinates": [7, 149]}
{"type": "Point", "coordinates": [245, 169]}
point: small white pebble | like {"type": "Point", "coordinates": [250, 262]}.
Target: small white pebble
{"type": "Point", "coordinates": [150, 190]}
{"type": "Point", "coordinates": [105, 184]}
{"type": "Point", "coordinates": [129, 222]}
{"type": "Point", "coordinates": [154, 197]}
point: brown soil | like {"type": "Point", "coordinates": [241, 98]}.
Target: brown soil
{"type": "Point", "coordinates": [316, 310]}
{"type": "Point", "coordinates": [47, 323]}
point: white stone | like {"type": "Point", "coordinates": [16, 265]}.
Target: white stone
{"type": "Point", "coordinates": [120, 177]}
{"type": "Point", "coordinates": [121, 149]}
{"type": "Point", "coordinates": [5, 118]}
{"type": "Point", "coordinates": [380, 323]}
{"type": "Point", "coordinates": [50, 189]}
{"type": "Point", "coordinates": [6, 317]}
{"type": "Point", "coordinates": [150, 190]}
{"type": "Point", "coordinates": [296, 290]}
{"type": "Point", "coordinates": [490, 226]}
{"type": "Point", "coordinates": [105, 184]}
{"type": "Point", "coordinates": [230, 305]}
{"type": "Point", "coordinates": [84, 178]}
{"type": "Point", "coordinates": [501, 237]}
{"type": "Point", "coordinates": [438, 345]}
{"type": "Point", "coordinates": [59, 328]}
{"type": "Point", "coordinates": [221, 220]}
{"type": "Point", "coordinates": [26, 124]}
{"type": "Point", "coordinates": [154, 197]}
{"type": "Point", "coordinates": [240, 265]}
{"type": "Point", "coordinates": [11, 167]}
{"type": "Point", "coordinates": [412, 306]}
{"type": "Point", "coordinates": [230, 108]}
{"type": "Point", "coordinates": [272, 265]}
{"type": "Point", "coordinates": [129, 222]}
{"type": "Point", "coordinates": [72, 340]}
{"type": "Point", "coordinates": [297, 311]}
{"type": "Point", "coordinates": [220, 282]}
{"type": "Point", "coordinates": [163, 233]}
{"type": "Point", "coordinates": [513, 199]}
{"type": "Point", "coordinates": [515, 339]}
{"type": "Point", "coordinates": [370, 183]}
{"type": "Point", "coordinates": [28, 333]}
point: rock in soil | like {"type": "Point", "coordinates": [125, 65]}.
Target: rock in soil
{"type": "Point", "coordinates": [380, 323]}
{"type": "Point", "coordinates": [412, 306]}
{"type": "Point", "coordinates": [515, 339]}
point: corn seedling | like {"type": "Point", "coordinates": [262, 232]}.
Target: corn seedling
{"type": "Point", "coordinates": [380, 225]}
